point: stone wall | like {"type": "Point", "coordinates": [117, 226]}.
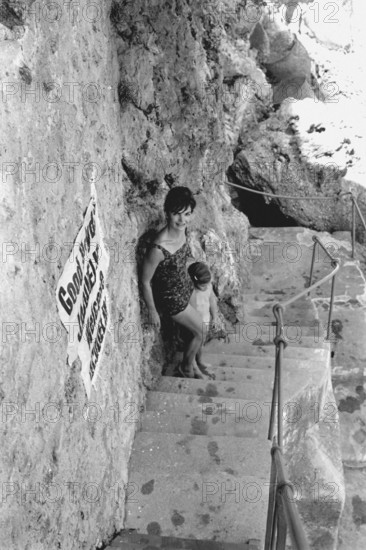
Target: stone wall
{"type": "Point", "coordinates": [129, 97]}
{"type": "Point", "coordinates": [60, 120]}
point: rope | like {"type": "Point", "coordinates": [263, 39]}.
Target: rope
{"type": "Point", "coordinates": [321, 198]}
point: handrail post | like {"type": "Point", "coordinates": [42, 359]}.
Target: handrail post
{"type": "Point", "coordinates": [331, 302]}
{"type": "Point", "coordinates": [279, 396]}
{"type": "Point", "coordinates": [274, 400]}
{"type": "Point", "coordinates": [353, 225]}
{"type": "Point", "coordinates": [271, 501]}
{"type": "Point", "coordinates": [280, 344]}
{"type": "Point", "coordinates": [281, 524]}
{"type": "Point", "coordinates": [312, 265]}
{"type": "Point", "coordinates": [274, 531]}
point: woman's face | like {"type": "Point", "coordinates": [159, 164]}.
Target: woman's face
{"type": "Point", "coordinates": [181, 220]}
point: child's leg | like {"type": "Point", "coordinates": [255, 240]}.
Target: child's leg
{"type": "Point", "coordinates": [199, 359]}
{"type": "Point", "coordinates": [200, 362]}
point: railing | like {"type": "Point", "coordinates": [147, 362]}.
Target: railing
{"type": "Point", "coordinates": [355, 207]}
{"type": "Point", "coordinates": [282, 513]}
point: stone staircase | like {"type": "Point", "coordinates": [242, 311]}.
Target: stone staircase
{"type": "Point", "coordinates": [200, 463]}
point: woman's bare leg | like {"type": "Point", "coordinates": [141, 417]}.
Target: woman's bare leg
{"type": "Point", "coordinates": [192, 320]}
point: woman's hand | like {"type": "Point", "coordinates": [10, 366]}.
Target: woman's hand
{"type": "Point", "coordinates": [153, 318]}
{"type": "Point", "coordinates": [151, 261]}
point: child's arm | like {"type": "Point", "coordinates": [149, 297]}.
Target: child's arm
{"type": "Point", "coordinates": [192, 299]}
{"type": "Point", "coordinates": [213, 308]}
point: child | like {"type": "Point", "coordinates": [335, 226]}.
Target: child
{"type": "Point", "coordinates": [204, 301]}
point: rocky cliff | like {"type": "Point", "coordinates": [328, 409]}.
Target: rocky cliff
{"type": "Point", "coordinates": [311, 142]}
{"type": "Point", "coordinates": [132, 98]}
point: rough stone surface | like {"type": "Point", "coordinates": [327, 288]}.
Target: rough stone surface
{"type": "Point", "coordinates": [311, 430]}
{"type": "Point", "coordinates": [313, 145]}
{"type": "Point", "coordinates": [51, 117]}
{"type": "Point", "coordinates": [348, 376]}
{"type": "Point", "coordinates": [139, 99]}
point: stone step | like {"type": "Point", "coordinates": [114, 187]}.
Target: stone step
{"type": "Point", "coordinates": [156, 453]}
{"type": "Point", "coordinates": [265, 320]}
{"type": "Point", "coordinates": [291, 283]}
{"type": "Point", "coordinates": [291, 279]}
{"type": "Point", "coordinates": [296, 340]}
{"type": "Point", "coordinates": [195, 423]}
{"type": "Point", "coordinates": [267, 259]}
{"type": "Point", "coordinates": [208, 505]}
{"type": "Point", "coordinates": [203, 415]}
{"type": "Point", "coordinates": [176, 478]}
{"type": "Point", "coordinates": [278, 233]}
{"type": "Point", "coordinates": [291, 319]}
{"type": "Point", "coordinates": [130, 540]}
{"type": "Point", "coordinates": [244, 389]}
{"type": "Point", "coordinates": [289, 316]}
{"type": "Point", "coordinates": [257, 385]}
{"type": "Point", "coordinates": [238, 362]}
{"type": "Point", "coordinates": [343, 236]}
{"type": "Point", "coordinates": [234, 348]}
{"type": "Point", "coordinates": [241, 375]}
{"type": "Point", "coordinates": [206, 406]}
{"type": "Point", "coordinates": [263, 328]}
{"type": "Point", "coordinates": [252, 335]}
{"type": "Point", "coordinates": [291, 245]}
{"type": "Point", "coordinates": [268, 298]}
{"type": "Point", "coordinates": [297, 234]}
{"type": "Point", "coordinates": [201, 412]}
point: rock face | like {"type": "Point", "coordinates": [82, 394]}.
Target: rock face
{"type": "Point", "coordinates": [133, 99]}
{"type": "Point", "coordinates": [312, 143]}
{"type": "Point", "coordinates": [63, 459]}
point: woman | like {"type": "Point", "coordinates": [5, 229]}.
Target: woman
{"type": "Point", "coordinates": [166, 286]}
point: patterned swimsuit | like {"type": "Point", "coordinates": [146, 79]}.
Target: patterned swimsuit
{"type": "Point", "coordinates": [172, 287]}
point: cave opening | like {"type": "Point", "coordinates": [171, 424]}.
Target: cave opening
{"type": "Point", "coordinates": [259, 213]}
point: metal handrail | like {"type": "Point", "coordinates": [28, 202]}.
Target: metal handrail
{"type": "Point", "coordinates": [282, 512]}
{"type": "Point", "coordinates": [286, 493]}
{"type": "Point", "coordinates": [309, 197]}
{"type": "Point", "coordinates": [290, 518]}
{"type": "Point", "coordinates": [355, 208]}
{"type": "Point", "coordinates": [278, 309]}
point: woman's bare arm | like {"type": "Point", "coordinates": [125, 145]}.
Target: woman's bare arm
{"type": "Point", "coordinates": [151, 262]}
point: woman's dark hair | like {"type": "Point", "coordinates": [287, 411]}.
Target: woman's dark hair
{"type": "Point", "coordinates": [179, 199]}
{"type": "Point", "coordinates": [199, 273]}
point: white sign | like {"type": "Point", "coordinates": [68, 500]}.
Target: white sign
{"type": "Point", "coordinates": [82, 300]}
